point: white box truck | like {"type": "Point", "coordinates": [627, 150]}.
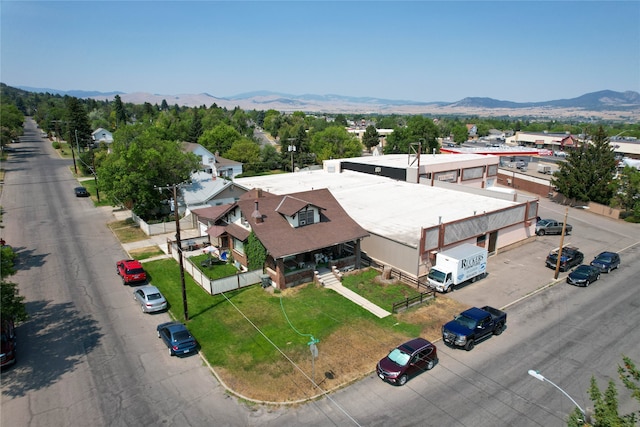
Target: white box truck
{"type": "Point", "coordinates": [457, 265]}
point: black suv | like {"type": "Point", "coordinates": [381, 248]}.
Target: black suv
{"type": "Point", "coordinates": [570, 258]}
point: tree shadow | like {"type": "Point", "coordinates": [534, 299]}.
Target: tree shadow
{"type": "Point", "coordinates": [51, 343]}
{"type": "Point", "coordinates": [26, 259]}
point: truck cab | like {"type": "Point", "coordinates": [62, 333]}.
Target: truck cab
{"type": "Point", "coordinates": [473, 325]}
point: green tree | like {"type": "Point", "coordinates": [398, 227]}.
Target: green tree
{"type": "Point", "coordinates": [270, 157]}
{"type": "Point", "coordinates": [11, 123]}
{"type": "Point", "coordinates": [195, 129]}
{"type": "Point", "coordinates": [220, 139]}
{"type": "Point", "coordinates": [588, 173]}
{"type": "Point", "coordinates": [121, 113]}
{"type": "Point", "coordinates": [460, 133]}
{"type": "Point", "coordinates": [335, 143]}
{"type": "Point", "coordinates": [628, 196]}
{"type": "Point", "coordinates": [247, 152]}
{"type": "Point", "coordinates": [141, 161]}
{"type": "Point", "coordinates": [11, 302]}
{"type": "Point", "coordinates": [77, 123]}
{"type": "Point", "coordinates": [371, 137]}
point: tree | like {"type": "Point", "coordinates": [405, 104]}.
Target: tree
{"type": "Point", "coordinates": [121, 113]}
{"type": "Point", "coordinates": [628, 194]}
{"type": "Point", "coordinates": [335, 142]}
{"type": "Point", "coordinates": [141, 161]}
{"type": "Point", "coordinates": [247, 152]}
{"type": "Point", "coordinates": [588, 173]}
{"type": "Point", "coordinates": [270, 157]}
{"type": "Point", "coordinates": [77, 123]}
{"type": "Point", "coordinates": [460, 133]}
{"type": "Point", "coordinates": [220, 138]}
{"type": "Point", "coordinates": [605, 405]}
{"type": "Point", "coordinates": [195, 130]}
{"type": "Point", "coordinates": [11, 303]}
{"type": "Point", "coordinates": [371, 137]}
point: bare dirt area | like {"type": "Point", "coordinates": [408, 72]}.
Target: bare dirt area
{"type": "Point", "coordinates": [345, 356]}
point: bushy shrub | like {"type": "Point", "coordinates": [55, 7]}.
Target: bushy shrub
{"type": "Point", "coordinates": [55, 145]}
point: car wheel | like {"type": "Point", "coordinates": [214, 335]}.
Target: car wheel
{"type": "Point", "coordinates": [430, 364]}
{"type": "Point", "coordinates": [142, 308]}
{"type": "Point", "coordinates": [158, 334]}
{"type": "Point", "coordinates": [469, 346]}
{"type": "Point", "coordinates": [609, 270]}
{"type": "Point", "coordinates": [598, 277]}
{"type": "Point", "coordinates": [171, 353]}
{"type": "Point", "coordinates": [402, 380]}
{"type": "Point", "coordinates": [540, 232]}
{"type": "Point", "coordinates": [498, 330]}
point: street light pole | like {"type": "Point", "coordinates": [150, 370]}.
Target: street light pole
{"type": "Point", "coordinates": [538, 376]}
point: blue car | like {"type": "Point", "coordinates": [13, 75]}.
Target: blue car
{"type": "Point", "coordinates": [606, 261]}
{"type": "Point", "coordinates": [177, 337]}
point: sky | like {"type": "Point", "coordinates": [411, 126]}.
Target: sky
{"type": "Point", "coordinates": [521, 51]}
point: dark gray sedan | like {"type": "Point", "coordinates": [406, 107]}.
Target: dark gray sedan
{"type": "Point", "coordinates": [584, 275]}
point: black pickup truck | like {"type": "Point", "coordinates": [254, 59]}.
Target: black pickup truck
{"type": "Point", "coordinates": [571, 257]}
{"type": "Point", "coordinates": [473, 325]}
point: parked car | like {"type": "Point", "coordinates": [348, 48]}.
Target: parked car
{"type": "Point", "coordinates": [584, 275]}
{"type": "Point", "coordinates": [7, 343]}
{"type": "Point", "coordinates": [150, 299]}
{"type": "Point", "coordinates": [81, 192]}
{"type": "Point", "coordinates": [407, 360]}
{"type": "Point", "coordinates": [472, 325]}
{"type": "Point", "coordinates": [131, 271]}
{"type": "Point", "coordinates": [571, 257]}
{"type": "Point", "coordinates": [177, 337]}
{"type": "Point", "coordinates": [551, 226]}
{"type": "Point", "coordinates": [606, 261]}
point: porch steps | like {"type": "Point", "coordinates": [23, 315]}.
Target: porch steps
{"type": "Point", "coordinates": [329, 280]}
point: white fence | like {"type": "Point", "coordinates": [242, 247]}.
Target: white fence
{"type": "Point", "coordinates": [186, 223]}
{"type": "Point", "coordinates": [218, 286]}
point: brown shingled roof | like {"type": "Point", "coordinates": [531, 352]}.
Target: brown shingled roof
{"type": "Point", "coordinates": [213, 213]}
{"type": "Point", "coordinates": [280, 239]}
{"type": "Point", "coordinates": [290, 205]}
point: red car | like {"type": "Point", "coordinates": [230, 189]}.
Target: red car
{"type": "Point", "coordinates": [131, 271]}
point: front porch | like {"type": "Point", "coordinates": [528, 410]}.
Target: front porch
{"type": "Point", "coordinates": [300, 268]}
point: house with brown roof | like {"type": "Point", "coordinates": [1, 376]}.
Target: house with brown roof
{"type": "Point", "coordinates": [301, 232]}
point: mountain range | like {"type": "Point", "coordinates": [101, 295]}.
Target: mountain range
{"type": "Point", "coordinates": [605, 104]}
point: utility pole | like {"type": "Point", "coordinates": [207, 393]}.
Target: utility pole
{"type": "Point", "coordinates": [174, 187]}
{"type": "Point", "coordinates": [564, 226]}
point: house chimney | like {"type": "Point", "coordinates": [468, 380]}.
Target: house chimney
{"type": "Point", "coordinates": [256, 215]}
{"type": "Point", "coordinates": [259, 195]}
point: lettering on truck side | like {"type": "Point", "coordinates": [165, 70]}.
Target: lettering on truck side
{"type": "Point", "coordinates": [472, 262]}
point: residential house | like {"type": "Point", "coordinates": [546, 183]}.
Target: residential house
{"type": "Point", "coordinates": [301, 232]}
{"type": "Point", "coordinates": [207, 189]}
{"type": "Point", "coordinates": [101, 135]}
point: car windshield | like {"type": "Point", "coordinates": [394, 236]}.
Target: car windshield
{"type": "Point", "coordinates": [152, 297]}
{"type": "Point", "coordinates": [604, 258]}
{"type": "Point", "coordinates": [399, 357]}
{"type": "Point", "coordinates": [436, 275]}
{"type": "Point", "coordinates": [181, 336]}
{"type": "Point", "coordinates": [580, 272]}
{"type": "Point", "coordinates": [543, 222]}
{"type": "Point", "coordinates": [465, 321]}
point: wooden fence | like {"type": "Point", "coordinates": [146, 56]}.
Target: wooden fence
{"type": "Point", "coordinates": [409, 302]}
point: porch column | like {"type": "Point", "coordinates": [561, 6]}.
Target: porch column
{"type": "Point", "coordinates": [357, 254]}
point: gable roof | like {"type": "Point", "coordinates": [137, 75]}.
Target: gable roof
{"type": "Point", "coordinates": [213, 213]}
{"type": "Point", "coordinates": [203, 187]}
{"type": "Point", "coordinates": [291, 205]}
{"type": "Point", "coordinates": [281, 239]}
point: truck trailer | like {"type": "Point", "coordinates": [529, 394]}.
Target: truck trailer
{"type": "Point", "coordinates": [457, 265]}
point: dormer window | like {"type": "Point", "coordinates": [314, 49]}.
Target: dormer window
{"type": "Point", "coordinates": [305, 217]}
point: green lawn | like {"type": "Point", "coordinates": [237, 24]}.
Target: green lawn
{"type": "Point", "coordinates": [218, 270]}
{"type": "Point", "coordinates": [382, 295]}
{"type": "Point", "coordinates": [224, 333]}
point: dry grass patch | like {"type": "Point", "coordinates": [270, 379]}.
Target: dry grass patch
{"type": "Point", "coordinates": [346, 355]}
{"type": "Point", "coordinates": [127, 231]}
{"type": "Point", "coordinates": [146, 252]}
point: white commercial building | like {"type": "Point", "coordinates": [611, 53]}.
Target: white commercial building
{"type": "Point", "coordinates": [409, 223]}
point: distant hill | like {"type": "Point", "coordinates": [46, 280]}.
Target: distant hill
{"type": "Point", "coordinates": [606, 104]}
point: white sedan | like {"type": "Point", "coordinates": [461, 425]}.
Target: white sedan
{"type": "Point", "coordinates": [150, 299]}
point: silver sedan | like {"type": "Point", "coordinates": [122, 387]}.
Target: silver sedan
{"type": "Point", "coordinates": [150, 299]}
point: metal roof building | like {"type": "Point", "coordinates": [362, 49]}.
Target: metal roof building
{"type": "Point", "coordinates": [408, 223]}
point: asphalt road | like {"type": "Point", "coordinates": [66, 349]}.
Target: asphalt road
{"type": "Point", "coordinates": [89, 356]}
